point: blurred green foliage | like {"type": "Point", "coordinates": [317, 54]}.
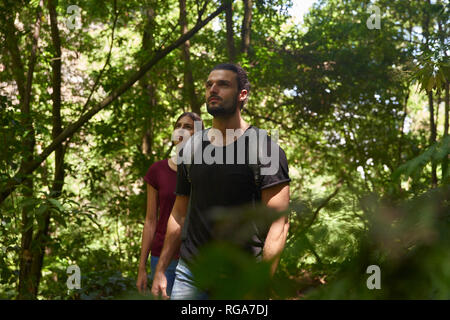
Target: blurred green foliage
{"type": "Point", "coordinates": [407, 239]}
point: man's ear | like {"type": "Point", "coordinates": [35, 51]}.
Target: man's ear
{"type": "Point", "coordinates": [243, 95]}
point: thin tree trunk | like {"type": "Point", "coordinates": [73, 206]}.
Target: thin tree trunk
{"type": "Point", "coordinates": [56, 97]}
{"type": "Point", "coordinates": [432, 138]}
{"type": "Point", "coordinates": [446, 108]}
{"type": "Point", "coordinates": [18, 179]}
{"type": "Point", "coordinates": [26, 289]}
{"type": "Point", "coordinates": [443, 30]}
{"type": "Point", "coordinates": [230, 32]}
{"type": "Point", "coordinates": [11, 42]}
{"type": "Point", "coordinates": [446, 114]}
{"type": "Point", "coordinates": [246, 26]}
{"type": "Point", "coordinates": [148, 87]}
{"type": "Point", "coordinates": [438, 106]}
{"type": "Point", "coordinates": [188, 87]}
{"type": "Point", "coordinates": [402, 134]}
{"type": "Point", "coordinates": [19, 77]}
{"type": "Point", "coordinates": [41, 239]}
{"type": "Point", "coordinates": [426, 35]}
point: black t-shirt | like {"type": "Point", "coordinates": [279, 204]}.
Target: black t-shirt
{"type": "Point", "coordinates": [225, 184]}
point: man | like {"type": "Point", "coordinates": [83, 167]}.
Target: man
{"type": "Point", "coordinates": [207, 185]}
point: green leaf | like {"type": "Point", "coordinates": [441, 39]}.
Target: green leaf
{"type": "Point", "coordinates": [34, 3]}
{"type": "Point", "coordinates": [28, 202]}
{"type": "Point", "coordinates": [60, 219]}
{"type": "Point", "coordinates": [436, 152]}
{"type": "Point", "coordinates": [40, 215]}
{"type": "Point", "coordinates": [56, 204]}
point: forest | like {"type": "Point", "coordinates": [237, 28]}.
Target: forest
{"type": "Point", "coordinates": [358, 92]}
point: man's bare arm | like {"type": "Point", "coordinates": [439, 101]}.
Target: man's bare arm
{"type": "Point", "coordinates": [172, 243]}
{"type": "Point", "coordinates": [276, 197]}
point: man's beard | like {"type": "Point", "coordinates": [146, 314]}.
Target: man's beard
{"type": "Point", "coordinates": [223, 110]}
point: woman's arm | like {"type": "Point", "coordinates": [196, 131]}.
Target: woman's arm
{"type": "Point", "coordinates": [147, 236]}
{"type": "Point", "coordinates": [172, 243]}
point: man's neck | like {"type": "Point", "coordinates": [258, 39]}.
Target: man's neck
{"type": "Point", "coordinates": [233, 122]}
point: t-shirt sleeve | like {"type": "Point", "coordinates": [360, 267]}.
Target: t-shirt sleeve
{"type": "Point", "coordinates": [151, 176]}
{"type": "Point", "coordinates": [274, 169]}
{"type": "Point", "coordinates": [183, 185]}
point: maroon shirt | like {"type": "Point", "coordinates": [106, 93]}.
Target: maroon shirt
{"type": "Point", "coordinates": [161, 177]}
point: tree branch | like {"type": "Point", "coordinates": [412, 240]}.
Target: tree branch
{"type": "Point", "coordinates": [268, 118]}
{"type": "Point", "coordinates": [12, 183]}
{"type": "Point", "coordinates": [97, 80]}
{"type": "Point", "coordinates": [108, 58]}
{"type": "Point", "coordinates": [324, 203]}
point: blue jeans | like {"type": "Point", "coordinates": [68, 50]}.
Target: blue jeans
{"type": "Point", "coordinates": [170, 272]}
{"type": "Point", "coordinates": [184, 288]}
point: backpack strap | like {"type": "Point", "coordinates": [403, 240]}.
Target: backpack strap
{"type": "Point", "coordinates": [259, 236]}
{"type": "Point", "coordinates": [192, 150]}
{"type": "Point", "coordinates": [255, 167]}
{"type": "Point", "coordinates": [188, 167]}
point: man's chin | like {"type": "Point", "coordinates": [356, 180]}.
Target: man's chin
{"type": "Point", "coordinates": [219, 111]}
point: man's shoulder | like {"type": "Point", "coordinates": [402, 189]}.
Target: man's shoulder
{"type": "Point", "coordinates": [270, 137]}
{"type": "Point", "coordinates": [260, 131]}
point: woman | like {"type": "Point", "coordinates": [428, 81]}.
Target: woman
{"type": "Point", "coordinates": [161, 180]}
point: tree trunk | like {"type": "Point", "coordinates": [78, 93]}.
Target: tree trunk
{"type": "Point", "coordinates": [446, 114]}
{"type": "Point", "coordinates": [230, 33]}
{"type": "Point", "coordinates": [432, 138]}
{"type": "Point", "coordinates": [148, 87]}
{"type": "Point", "coordinates": [27, 283]}
{"type": "Point", "coordinates": [246, 26]}
{"type": "Point", "coordinates": [41, 239]}
{"type": "Point", "coordinates": [56, 98]}
{"type": "Point", "coordinates": [25, 289]}
{"type": "Point", "coordinates": [438, 106]}
{"type": "Point", "coordinates": [446, 108]}
{"type": "Point", "coordinates": [19, 77]}
{"type": "Point", "coordinates": [70, 130]}
{"type": "Point", "coordinates": [188, 87]}
{"type": "Point", "coordinates": [443, 31]}
{"type": "Point", "coordinates": [425, 48]}
{"type": "Point", "coordinates": [402, 128]}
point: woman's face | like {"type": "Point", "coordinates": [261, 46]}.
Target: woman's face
{"type": "Point", "coordinates": [184, 128]}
